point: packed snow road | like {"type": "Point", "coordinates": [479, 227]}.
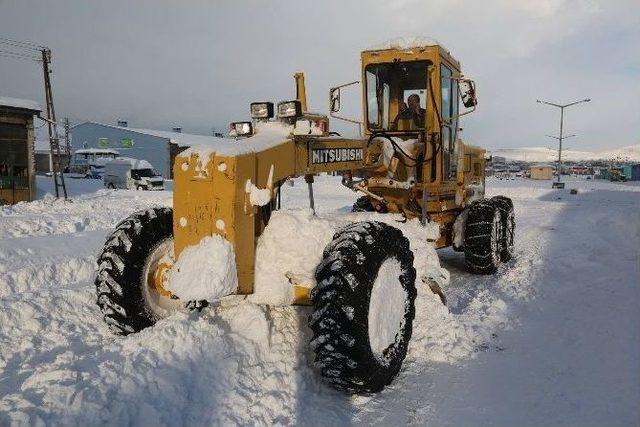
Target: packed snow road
{"type": "Point", "coordinates": [552, 339]}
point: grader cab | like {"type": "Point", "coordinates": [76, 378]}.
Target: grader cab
{"type": "Point", "coordinates": [411, 163]}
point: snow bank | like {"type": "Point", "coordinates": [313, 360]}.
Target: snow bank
{"type": "Point", "coordinates": [205, 271]}
{"type": "Point", "coordinates": [242, 363]}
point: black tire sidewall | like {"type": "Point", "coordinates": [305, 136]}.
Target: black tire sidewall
{"type": "Point", "coordinates": [344, 282]}
{"type": "Point", "coordinates": [144, 231]}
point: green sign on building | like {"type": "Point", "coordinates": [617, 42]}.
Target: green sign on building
{"type": "Point", "coordinates": [126, 143]}
{"type": "Point", "coordinates": [103, 142]}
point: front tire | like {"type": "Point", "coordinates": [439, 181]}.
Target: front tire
{"type": "Point", "coordinates": [131, 254]}
{"type": "Point", "coordinates": [482, 238]}
{"type": "Point", "coordinates": [363, 307]}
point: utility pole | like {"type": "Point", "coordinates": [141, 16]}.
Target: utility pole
{"type": "Point", "coordinates": [67, 137]}
{"type": "Point", "coordinates": [54, 141]}
{"type": "Point", "coordinates": [560, 138]}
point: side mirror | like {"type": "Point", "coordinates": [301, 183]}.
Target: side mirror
{"type": "Point", "coordinates": [468, 93]}
{"type": "Point", "coordinates": [334, 99]}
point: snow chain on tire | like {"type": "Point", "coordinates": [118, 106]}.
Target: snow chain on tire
{"type": "Point", "coordinates": [341, 300]}
{"type": "Point", "coordinates": [482, 237]}
{"type": "Point", "coordinates": [121, 265]}
{"type": "Point", "coordinates": [505, 205]}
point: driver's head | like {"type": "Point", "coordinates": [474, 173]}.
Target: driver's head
{"type": "Point", "coordinates": [413, 101]}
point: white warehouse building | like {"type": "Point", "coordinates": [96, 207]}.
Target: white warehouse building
{"type": "Point", "coordinates": [157, 147]}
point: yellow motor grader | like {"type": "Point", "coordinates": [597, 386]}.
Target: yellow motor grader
{"type": "Point", "coordinates": [411, 162]}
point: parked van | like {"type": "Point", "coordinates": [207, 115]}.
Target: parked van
{"type": "Point", "coordinates": [132, 174]}
{"type": "Point", "coordinates": [89, 162]}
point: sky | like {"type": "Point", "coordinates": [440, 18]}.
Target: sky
{"type": "Point", "coordinates": [199, 64]}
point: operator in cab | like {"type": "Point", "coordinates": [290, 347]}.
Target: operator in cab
{"type": "Point", "coordinates": [412, 112]}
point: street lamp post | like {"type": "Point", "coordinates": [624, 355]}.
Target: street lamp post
{"type": "Point", "coordinates": [560, 138]}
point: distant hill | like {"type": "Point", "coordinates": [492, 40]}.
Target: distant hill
{"type": "Point", "coordinates": [543, 154]}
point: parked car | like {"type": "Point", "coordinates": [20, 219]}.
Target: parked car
{"type": "Point", "coordinates": [132, 174]}
{"type": "Point", "coordinates": [89, 162]}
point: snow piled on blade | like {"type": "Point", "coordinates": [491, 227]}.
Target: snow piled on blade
{"type": "Point", "coordinates": [206, 271]}
{"type": "Point", "coordinates": [294, 240]}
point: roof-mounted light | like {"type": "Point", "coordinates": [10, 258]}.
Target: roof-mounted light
{"type": "Point", "coordinates": [238, 129]}
{"type": "Point", "coordinates": [262, 110]}
{"type": "Point", "coordinates": [289, 109]}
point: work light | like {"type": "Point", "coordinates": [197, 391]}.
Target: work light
{"type": "Point", "coordinates": [288, 109]}
{"type": "Point", "coordinates": [240, 129]}
{"type": "Point", "coordinates": [262, 110]}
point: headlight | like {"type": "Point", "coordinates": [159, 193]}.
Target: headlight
{"type": "Point", "coordinates": [287, 109]}
{"type": "Point", "coordinates": [240, 129]}
{"type": "Point", "coordinates": [262, 110]}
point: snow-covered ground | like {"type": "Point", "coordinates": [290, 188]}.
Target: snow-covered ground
{"type": "Point", "coordinates": [552, 339]}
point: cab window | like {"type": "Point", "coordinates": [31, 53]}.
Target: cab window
{"type": "Point", "coordinates": [396, 95]}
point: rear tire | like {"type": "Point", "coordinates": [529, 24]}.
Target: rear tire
{"type": "Point", "coordinates": [482, 238]}
{"type": "Point", "coordinates": [505, 205]}
{"type": "Point", "coordinates": [127, 302]}
{"type": "Point", "coordinates": [365, 284]}
{"type": "Point", "coordinates": [363, 204]}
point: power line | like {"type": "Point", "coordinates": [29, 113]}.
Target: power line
{"type": "Point", "coordinates": [21, 44]}
{"type": "Point", "coordinates": [17, 55]}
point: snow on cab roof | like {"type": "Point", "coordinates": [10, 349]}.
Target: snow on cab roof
{"type": "Point", "coordinates": [25, 104]}
{"type": "Point", "coordinates": [404, 43]}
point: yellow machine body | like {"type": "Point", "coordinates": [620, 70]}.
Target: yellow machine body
{"type": "Point", "coordinates": [211, 197]}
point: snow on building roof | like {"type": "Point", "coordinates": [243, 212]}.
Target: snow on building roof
{"type": "Point", "coordinates": [25, 104]}
{"type": "Point", "coordinates": [97, 151]}
{"type": "Point", "coordinates": [268, 134]}
{"type": "Point", "coordinates": [179, 138]}
{"type": "Point", "coordinates": [404, 43]}
{"type": "Point", "coordinates": [135, 163]}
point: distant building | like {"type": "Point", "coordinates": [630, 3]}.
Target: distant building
{"type": "Point", "coordinates": [601, 173]}
{"type": "Point", "coordinates": [635, 172]}
{"type": "Point", "coordinates": [17, 169]}
{"type": "Point", "coordinates": [157, 147]}
{"type": "Point", "coordinates": [541, 171]}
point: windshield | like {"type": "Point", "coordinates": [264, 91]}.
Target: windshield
{"type": "Point", "coordinates": [143, 173]}
{"type": "Point", "coordinates": [396, 95]}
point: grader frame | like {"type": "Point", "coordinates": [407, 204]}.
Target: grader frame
{"type": "Point", "coordinates": [216, 201]}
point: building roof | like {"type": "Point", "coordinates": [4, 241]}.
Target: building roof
{"type": "Point", "coordinates": [541, 165]}
{"type": "Point", "coordinates": [97, 151]}
{"type": "Point", "coordinates": [24, 104]}
{"type": "Point", "coordinates": [134, 163]}
{"type": "Point", "coordinates": [181, 139]}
